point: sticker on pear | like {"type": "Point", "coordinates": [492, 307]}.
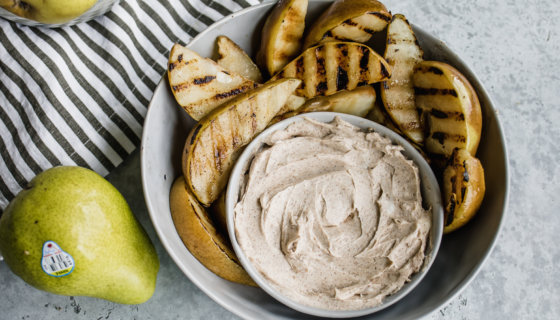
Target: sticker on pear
{"type": "Point", "coordinates": [55, 261]}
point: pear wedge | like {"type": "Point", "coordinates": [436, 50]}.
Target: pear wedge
{"type": "Point", "coordinates": [450, 109]}
{"type": "Point", "coordinates": [218, 212]}
{"type": "Point", "coordinates": [402, 52]}
{"type": "Point", "coordinates": [463, 189]}
{"type": "Point", "coordinates": [215, 142]}
{"type": "Point", "coordinates": [199, 235]}
{"type": "Point", "coordinates": [200, 84]}
{"type": "Point", "coordinates": [348, 20]}
{"type": "Point", "coordinates": [281, 35]}
{"type": "Point", "coordinates": [333, 66]}
{"type": "Point", "coordinates": [356, 102]}
{"type": "Point", "coordinates": [234, 59]}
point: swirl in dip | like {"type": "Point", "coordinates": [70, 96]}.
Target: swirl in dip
{"type": "Point", "coordinates": [332, 216]}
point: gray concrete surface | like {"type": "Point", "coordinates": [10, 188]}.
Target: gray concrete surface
{"type": "Point", "coordinates": [514, 48]}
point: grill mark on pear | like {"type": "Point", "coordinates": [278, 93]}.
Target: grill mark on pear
{"type": "Point", "coordinates": [380, 16]}
{"type": "Point", "coordinates": [454, 115]}
{"type": "Point", "coordinates": [439, 114]}
{"type": "Point", "coordinates": [232, 92]}
{"type": "Point", "coordinates": [442, 136]}
{"type": "Point", "coordinates": [435, 70]}
{"type": "Point", "coordinates": [364, 60]}
{"type": "Point", "coordinates": [434, 91]}
{"type": "Point", "coordinates": [343, 49]}
{"type": "Point", "coordinates": [341, 79]}
{"type": "Point", "coordinates": [384, 70]}
{"type": "Point", "coordinates": [201, 81]}
{"type": "Point", "coordinates": [321, 72]}
{"type": "Point", "coordinates": [299, 67]}
{"type": "Point", "coordinates": [411, 125]}
{"type": "Point", "coordinates": [350, 22]}
{"type": "Point", "coordinates": [321, 88]}
{"type": "Point", "coordinates": [195, 132]}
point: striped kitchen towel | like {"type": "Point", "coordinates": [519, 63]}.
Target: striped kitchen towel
{"type": "Point", "coordinates": [78, 95]}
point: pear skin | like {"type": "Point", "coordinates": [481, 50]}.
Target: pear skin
{"type": "Point", "coordinates": [218, 213]}
{"type": "Point", "coordinates": [281, 35]}
{"type": "Point", "coordinates": [82, 213]}
{"type": "Point", "coordinates": [463, 189]}
{"type": "Point", "coordinates": [200, 236]}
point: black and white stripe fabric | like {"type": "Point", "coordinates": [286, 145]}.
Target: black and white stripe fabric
{"type": "Point", "coordinates": [78, 95]}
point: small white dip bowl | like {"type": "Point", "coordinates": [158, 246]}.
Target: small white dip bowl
{"type": "Point", "coordinates": [431, 198]}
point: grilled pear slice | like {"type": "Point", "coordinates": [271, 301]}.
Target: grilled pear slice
{"type": "Point", "coordinates": [281, 35]}
{"type": "Point", "coordinates": [200, 84]}
{"type": "Point", "coordinates": [463, 189]}
{"type": "Point", "coordinates": [199, 235]}
{"type": "Point", "coordinates": [348, 20]}
{"type": "Point", "coordinates": [333, 66]}
{"type": "Point", "coordinates": [215, 142]}
{"type": "Point", "coordinates": [402, 52]}
{"type": "Point", "coordinates": [450, 108]}
{"type": "Point", "coordinates": [234, 59]}
{"type": "Point", "coordinates": [356, 102]}
{"type": "Point", "coordinates": [218, 212]}
{"type": "Point", "coordinates": [294, 102]}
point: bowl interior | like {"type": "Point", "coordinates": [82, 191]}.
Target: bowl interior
{"type": "Point", "coordinates": [461, 253]}
{"type": "Point", "coordinates": [430, 195]}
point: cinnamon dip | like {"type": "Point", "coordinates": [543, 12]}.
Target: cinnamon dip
{"type": "Point", "coordinates": [332, 216]}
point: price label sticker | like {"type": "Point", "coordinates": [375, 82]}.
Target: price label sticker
{"type": "Point", "coordinates": [55, 261]}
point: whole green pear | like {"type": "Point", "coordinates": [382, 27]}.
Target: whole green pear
{"type": "Point", "coordinates": [106, 252]}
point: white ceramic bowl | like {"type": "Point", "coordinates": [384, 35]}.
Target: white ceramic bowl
{"type": "Point", "coordinates": [460, 255]}
{"type": "Point", "coordinates": [431, 198]}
